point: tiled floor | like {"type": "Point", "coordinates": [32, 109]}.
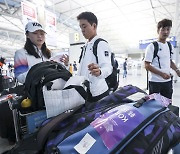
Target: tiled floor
{"type": "Point", "coordinates": [135, 77]}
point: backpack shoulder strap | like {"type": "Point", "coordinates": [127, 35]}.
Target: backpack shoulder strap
{"type": "Point", "coordinates": [170, 48]}
{"type": "Point", "coordinates": [82, 50]}
{"type": "Point", "coordinates": [95, 47]}
{"type": "Point", "coordinates": [156, 48]}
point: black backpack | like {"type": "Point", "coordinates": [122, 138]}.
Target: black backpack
{"type": "Point", "coordinates": [156, 49]}
{"type": "Point", "coordinates": [113, 79]}
{"type": "Point", "coordinates": [42, 74]}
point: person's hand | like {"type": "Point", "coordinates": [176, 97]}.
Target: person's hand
{"type": "Point", "coordinates": [94, 69]}
{"type": "Point", "coordinates": [178, 72]}
{"type": "Point", "coordinates": [65, 59]}
{"type": "Point", "coordinates": [165, 76]}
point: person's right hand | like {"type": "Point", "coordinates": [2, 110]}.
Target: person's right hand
{"type": "Point", "coordinates": [65, 59]}
{"type": "Point", "coordinates": [94, 69]}
{"type": "Point", "coordinates": [165, 76]}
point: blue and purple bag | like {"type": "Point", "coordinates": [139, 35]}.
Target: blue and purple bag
{"type": "Point", "coordinates": [114, 125]}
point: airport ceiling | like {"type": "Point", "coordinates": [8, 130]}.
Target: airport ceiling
{"type": "Point", "coordinates": [121, 22]}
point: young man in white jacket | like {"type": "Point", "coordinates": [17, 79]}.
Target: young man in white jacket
{"type": "Point", "coordinates": [95, 72]}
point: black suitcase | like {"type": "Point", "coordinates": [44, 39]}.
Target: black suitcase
{"type": "Point", "coordinates": [6, 122]}
{"type": "Point", "coordinates": [174, 109]}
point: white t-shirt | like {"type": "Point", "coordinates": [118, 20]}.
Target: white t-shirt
{"type": "Point", "coordinates": [164, 58]}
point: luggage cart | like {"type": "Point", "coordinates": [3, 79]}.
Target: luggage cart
{"type": "Point", "coordinates": [25, 122]}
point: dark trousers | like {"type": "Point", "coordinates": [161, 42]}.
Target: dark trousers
{"type": "Point", "coordinates": [164, 88]}
{"type": "Point", "coordinates": [1, 84]}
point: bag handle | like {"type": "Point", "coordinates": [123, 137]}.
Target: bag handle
{"type": "Point", "coordinates": [79, 89]}
{"type": "Point", "coordinates": [48, 127]}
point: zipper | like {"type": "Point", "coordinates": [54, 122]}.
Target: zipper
{"type": "Point", "coordinates": [137, 130]}
{"type": "Point", "coordinates": [161, 134]}
{"type": "Point", "coordinates": [105, 109]}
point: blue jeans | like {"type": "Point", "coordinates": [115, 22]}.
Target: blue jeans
{"type": "Point", "coordinates": [124, 73]}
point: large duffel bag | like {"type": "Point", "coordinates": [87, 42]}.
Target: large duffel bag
{"type": "Point", "coordinates": [145, 126]}
{"type": "Point", "coordinates": [30, 145]}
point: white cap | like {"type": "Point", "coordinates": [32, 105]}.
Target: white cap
{"type": "Point", "coordinates": [33, 26]}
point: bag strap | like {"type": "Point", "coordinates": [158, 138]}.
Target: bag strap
{"type": "Point", "coordinates": [48, 127]}
{"type": "Point", "coordinates": [82, 50]}
{"type": "Point", "coordinates": [79, 89]}
{"type": "Point", "coordinates": [156, 48]}
{"type": "Point", "coordinates": [95, 47]}
{"type": "Point", "coordinates": [170, 48]}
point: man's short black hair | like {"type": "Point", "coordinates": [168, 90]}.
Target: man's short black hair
{"type": "Point", "coordinates": [89, 16]}
{"type": "Point", "coordinates": [164, 23]}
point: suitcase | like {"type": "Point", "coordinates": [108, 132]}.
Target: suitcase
{"type": "Point", "coordinates": [174, 109]}
{"type": "Point", "coordinates": [36, 148]}
{"type": "Point", "coordinates": [18, 123]}
{"type": "Point", "coordinates": [6, 122]}
{"type": "Point", "coordinates": [145, 126]}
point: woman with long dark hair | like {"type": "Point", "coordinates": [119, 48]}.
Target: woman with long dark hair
{"type": "Point", "coordinates": [34, 51]}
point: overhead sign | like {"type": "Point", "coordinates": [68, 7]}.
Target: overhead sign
{"type": "Point", "coordinates": [29, 12]}
{"type": "Point", "coordinates": [144, 43]}
{"type": "Point", "coordinates": [76, 37]}
{"type": "Point", "coordinates": [51, 38]}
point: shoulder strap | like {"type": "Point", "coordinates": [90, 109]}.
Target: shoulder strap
{"type": "Point", "coordinates": [170, 48]}
{"type": "Point", "coordinates": [95, 47]}
{"type": "Point", "coordinates": [47, 128]}
{"type": "Point", "coordinates": [156, 48]}
{"type": "Point", "coordinates": [79, 89]}
{"type": "Point", "coordinates": [80, 57]}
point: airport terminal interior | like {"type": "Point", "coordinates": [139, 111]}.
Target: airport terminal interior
{"type": "Point", "coordinates": [127, 25]}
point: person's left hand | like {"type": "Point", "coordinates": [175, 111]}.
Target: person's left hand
{"type": "Point", "coordinates": [65, 59]}
{"type": "Point", "coordinates": [94, 69]}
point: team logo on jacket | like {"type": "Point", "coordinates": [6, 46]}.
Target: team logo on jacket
{"type": "Point", "coordinates": [106, 53]}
